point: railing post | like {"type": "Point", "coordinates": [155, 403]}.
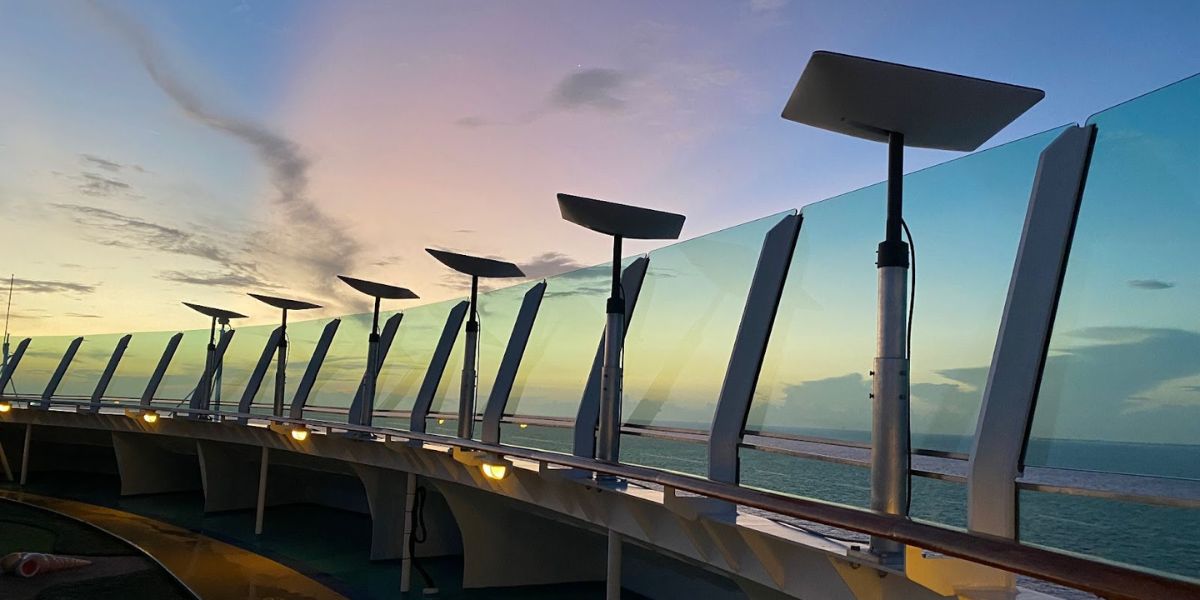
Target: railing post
{"type": "Point", "coordinates": [361, 412]}
{"type": "Point", "coordinates": [300, 399]}
{"type": "Point", "coordinates": [493, 413]}
{"type": "Point", "coordinates": [107, 375]}
{"type": "Point", "coordinates": [202, 397]}
{"type": "Point", "coordinates": [254, 383]}
{"type": "Point", "coordinates": [59, 373]}
{"type": "Point", "coordinates": [588, 416]}
{"type": "Point", "coordinates": [749, 349]}
{"type": "Point", "coordinates": [163, 362]}
{"type": "Point", "coordinates": [13, 361]}
{"type": "Point", "coordinates": [1024, 336]}
{"type": "Point", "coordinates": [437, 366]}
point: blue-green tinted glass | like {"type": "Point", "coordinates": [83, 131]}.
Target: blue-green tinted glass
{"type": "Point", "coordinates": [966, 218]}
{"type": "Point", "coordinates": [344, 365]}
{"type": "Point", "coordinates": [239, 361]}
{"type": "Point", "coordinates": [185, 369]}
{"type": "Point", "coordinates": [1121, 386]}
{"type": "Point", "coordinates": [554, 439]}
{"type": "Point", "coordinates": [408, 360]}
{"type": "Point", "coordinates": [678, 344]}
{"type": "Point", "coordinates": [562, 345]}
{"type": "Point", "coordinates": [1157, 537]}
{"type": "Point", "coordinates": [497, 313]}
{"type": "Point", "coordinates": [91, 359]}
{"type": "Point", "coordinates": [41, 359]}
{"type": "Point", "coordinates": [138, 364]}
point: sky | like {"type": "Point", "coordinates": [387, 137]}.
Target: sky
{"type": "Point", "coordinates": [163, 151]}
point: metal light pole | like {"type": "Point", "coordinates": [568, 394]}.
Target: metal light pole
{"type": "Point", "coordinates": [620, 221]}
{"type": "Point", "coordinates": [284, 304]}
{"type": "Point", "coordinates": [476, 267]}
{"type": "Point", "coordinates": [900, 105]}
{"type": "Point", "coordinates": [217, 315]}
{"type": "Point", "coordinates": [378, 291]}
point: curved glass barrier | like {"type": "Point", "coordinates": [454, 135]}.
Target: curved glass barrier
{"type": "Point", "coordinates": [1121, 386]}
{"type": "Point", "coordinates": [562, 344]}
{"type": "Point", "coordinates": [678, 345]}
{"type": "Point", "coordinates": [38, 364]}
{"type": "Point", "coordinates": [137, 365]}
{"type": "Point", "coordinates": [408, 360]}
{"type": "Point", "coordinates": [966, 218]}
{"type": "Point", "coordinates": [84, 372]}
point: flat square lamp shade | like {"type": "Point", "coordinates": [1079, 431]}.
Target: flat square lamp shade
{"type": "Point", "coordinates": [379, 290]}
{"type": "Point", "coordinates": [285, 303]}
{"type": "Point", "coordinates": [610, 218]}
{"type": "Point", "coordinates": [868, 98]}
{"type": "Point", "coordinates": [216, 313]}
{"type": "Point", "coordinates": [476, 266]}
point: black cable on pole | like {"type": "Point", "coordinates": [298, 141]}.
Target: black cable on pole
{"type": "Point", "coordinates": [912, 304]}
{"type": "Point", "coordinates": [419, 534]}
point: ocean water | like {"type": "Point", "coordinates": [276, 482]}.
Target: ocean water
{"type": "Point", "coordinates": [1160, 538]}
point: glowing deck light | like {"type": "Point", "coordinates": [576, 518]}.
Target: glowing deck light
{"type": "Point", "coordinates": [495, 469]}
{"type": "Point", "coordinates": [300, 434]}
{"type": "Point", "coordinates": [150, 416]}
{"type": "Point", "coordinates": [5, 406]}
{"type": "Point", "coordinates": [441, 421]}
{"type": "Point", "coordinates": [523, 425]}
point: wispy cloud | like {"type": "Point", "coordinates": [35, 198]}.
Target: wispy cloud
{"type": "Point", "coordinates": [100, 186]}
{"type": "Point", "coordinates": [35, 286]}
{"type": "Point", "coordinates": [239, 280]}
{"type": "Point", "coordinates": [1151, 284]}
{"type": "Point", "coordinates": [111, 166]}
{"type": "Point", "coordinates": [317, 245]}
{"type": "Point", "coordinates": [117, 229]}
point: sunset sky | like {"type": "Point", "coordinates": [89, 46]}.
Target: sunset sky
{"type": "Point", "coordinates": [152, 152]}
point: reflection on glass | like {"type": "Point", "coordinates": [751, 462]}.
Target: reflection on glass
{"type": "Point", "coordinates": [138, 363]}
{"type": "Point", "coordinates": [89, 363]}
{"type": "Point", "coordinates": [678, 345]}
{"type": "Point", "coordinates": [966, 217]}
{"type": "Point", "coordinates": [1158, 537]}
{"type": "Point", "coordinates": [1121, 387]}
{"type": "Point", "coordinates": [408, 360]}
{"type": "Point", "coordinates": [38, 365]}
{"type": "Point", "coordinates": [497, 313]}
{"type": "Point", "coordinates": [562, 344]}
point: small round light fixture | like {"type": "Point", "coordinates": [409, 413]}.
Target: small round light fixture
{"type": "Point", "coordinates": [5, 406]}
{"type": "Point", "coordinates": [150, 416]}
{"type": "Point", "coordinates": [523, 425]}
{"type": "Point", "coordinates": [300, 433]}
{"type": "Point", "coordinates": [494, 467]}
{"type": "Point", "coordinates": [441, 421]}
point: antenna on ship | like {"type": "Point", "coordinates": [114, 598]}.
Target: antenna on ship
{"type": "Point", "coordinates": [476, 267]}
{"type": "Point", "coordinates": [902, 106]}
{"type": "Point", "coordinates": [284, 304]}
{"type": "Point", "coordinates": [207, 383]}
{"type": "Point", "coordinates": [378, 291]}
{"type": "Point", "coordinates": [621, 221]}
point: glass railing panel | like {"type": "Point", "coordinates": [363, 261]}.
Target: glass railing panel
{"type": "Point", "coordinates": [408, 360]}
{"type": "Point", "coordinates": [342, 371]}
{"type": "Point", "coordinates": [84, 372]}
{"type": "Point", "coordinates": [185, 369]}
{"type": "Point", "coordinates": [497, 312]}
{"type": "Point", "coordinates": [38, 364]}
{"type": "Point", "coordinates": [966, 217]}
{"type": "Point", "coordinates": [137, 365]}
{"type": "Point", "coordinates": [554, 439]}
{"type": "Point", "coordinates": [807, 477]}
{"type": "Point", "coordinates": [681, 456]}
{"type": "Point", "coordinates": [563, 344]}
{"type": "Point", "coordinates": [691, 303]}
{"type": "Point", "coordinates": [1156, 537]}
{"type": "Point", "coordinates": [1121, 387]}
{"type": "Point", "coordinates": [237, 365]}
